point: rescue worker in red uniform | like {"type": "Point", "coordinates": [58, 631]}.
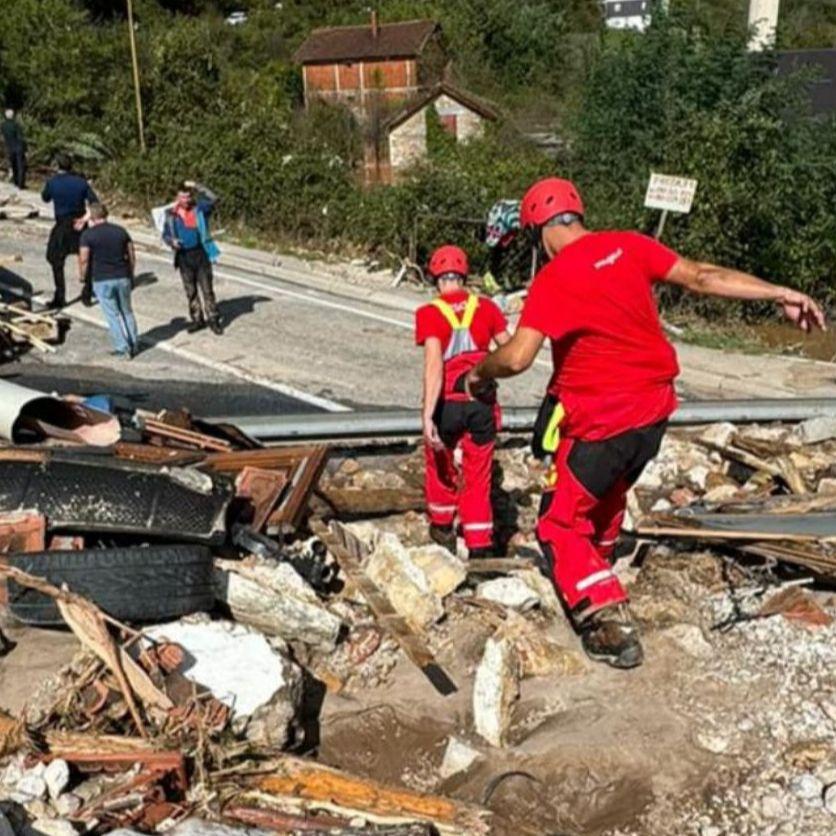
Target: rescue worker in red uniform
{"type": "Point", "coordinates": [611, 393]}
{"type": "Point", "coordinates": [456, 330]}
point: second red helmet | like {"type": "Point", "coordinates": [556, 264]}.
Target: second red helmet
{"type": "Point", "coordinates": [448, 259]}
{"type": "Point", "coordinates": [547, 198]}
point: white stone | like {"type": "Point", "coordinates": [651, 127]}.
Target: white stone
{"type": "Point", "coordinates": [393, 569]}
{"type": "Point", "coordinates": [444, 571]}
{"type": "Point", "coordinates": [458, 757]}
{"type": "Point", "coordinates": [272, 597]}
{"type": "Point", "coordinates": [495, 689]}
{"type": "Point", "coordinates": [815, 430]}
{"type": "Point", "coordinates": [200, 827]}
{"type": "Point", "coordinates": [827, 485]}
{"type": "Point", "coordinates": [32, 786]}
{"type": "Point", "coordinates": [710, 830]}
{"type": "Point", "coordinates": [830, 799]}
{"type": "Point", "coordinates": [713, 742]}
{"type": "Point", "coordinates": [720, 434]}
{"type": "Point", "coordinates": [690, 638]}
{"type": "Point", "coordinates": [241, 669]}
{"type": "Point", "coordinates": [698, 476]}
{"type": "Point", "coordinates": [513, 593]}
{"type": "Point", "coordinates": [57, 776]}
{"type": "Point", "coordinates": [542, 587]}
{"type": "Point", "coordinates": [68, 804]}
{"type": "Point", "coordinates": [51, 827]}
{"type": "Point", "coordinates": [660, 506]}
{"type": "Point", "coordinates": [807, 787]}
{"type": "Point", "coordinates": [772, 807]}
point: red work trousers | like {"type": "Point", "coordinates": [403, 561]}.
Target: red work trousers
{"type": "Point", "coordinates": [582, 511]}
{"type": "Point", "coordinates": [462, 493]}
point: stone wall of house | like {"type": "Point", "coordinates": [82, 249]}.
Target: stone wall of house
{"type": "Point", "coordinates": [468, 123]}
{"type": "Point", "coordinates": [408, 142]}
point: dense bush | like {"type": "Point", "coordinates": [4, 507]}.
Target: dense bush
{"type": "Point", "coordinates": [675, 102]}
{"type": "Point", "coordinates": [222, 104]}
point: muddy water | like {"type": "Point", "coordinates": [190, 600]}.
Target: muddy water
{"type": "Point", "coordinates": [782, 337]}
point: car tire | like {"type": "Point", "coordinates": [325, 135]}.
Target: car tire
{"type": "Point", "coordinates": [139, 584]}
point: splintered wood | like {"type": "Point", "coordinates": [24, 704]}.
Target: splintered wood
{"type": "Point", "coordinates": [300, 785]}
{"type": "Point", "coordinates": [349, 552]}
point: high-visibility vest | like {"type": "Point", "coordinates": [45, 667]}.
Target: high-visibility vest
{"type": "Point", "coordinates": [461, 341]}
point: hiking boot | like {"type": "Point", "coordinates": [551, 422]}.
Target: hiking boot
{"type": "Point", "coordinates": [444, 535]}
{"type": "Point", "coordinates": [611, 636]}
{"type": "Point", "coordinates": [216, 327]}
{"type": "Point", "coordinates": [195, 325]}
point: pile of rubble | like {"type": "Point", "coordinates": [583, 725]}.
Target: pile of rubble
{"type": "Point", "coordinates": [249, 619]}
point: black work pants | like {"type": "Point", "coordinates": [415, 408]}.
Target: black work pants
{"type": "Point", "coordinates": [17, 163]}
{"type": "Point", "coordinates": [198, 282]}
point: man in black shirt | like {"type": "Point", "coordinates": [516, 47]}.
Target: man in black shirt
{"type": "Point", "coordinates": [15, 147]}
{"type": "Point", "coordinates": [108, 251]}
{"type": "Point", "coordinates": [70, 193]}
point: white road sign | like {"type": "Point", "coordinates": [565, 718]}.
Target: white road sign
{"type": "Point", "coordinates": [675, 194]}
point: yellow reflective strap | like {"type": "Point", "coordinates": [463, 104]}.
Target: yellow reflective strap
{"type": "Point", "coordinates": [551, 437]}
{"type": "Point", "coordinates": [470, 311]}
{"type": "Point", "coordinates": [447, 312]}
{"type": "Point", "coordinates": [450, 315]}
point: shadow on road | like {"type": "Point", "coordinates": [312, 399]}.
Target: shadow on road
{"type": "Point", "coordinates": [229, 309]}
{"type": "Point", "coordinates": [13, 286]}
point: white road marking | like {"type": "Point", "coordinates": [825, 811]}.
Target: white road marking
{"type": "Point", "coordinates": [314, 300]}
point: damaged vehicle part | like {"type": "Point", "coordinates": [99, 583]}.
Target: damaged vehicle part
{"type": "Point", "coordinates": [89, 494]}
{"type": "Point", "coordinates": [145, 584]}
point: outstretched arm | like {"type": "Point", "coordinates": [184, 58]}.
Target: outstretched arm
{"type": "Point", "coordinates": [510, 359]}
{"type": "Point", "coordinates": [433, 383]}
{"type": "Point", "coordinates": [713, 280]}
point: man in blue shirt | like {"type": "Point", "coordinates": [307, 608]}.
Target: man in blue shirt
{"type": "Point", "coordinates": [70, 193]}
{"type": "Point", "coordinates": [186, 231]}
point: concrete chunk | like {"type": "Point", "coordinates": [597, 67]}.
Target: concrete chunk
{"type": "Point", "coordinates": [816, 430]}
{"type": "Point", "coordinates": [272, 597]}
{"type": "Point", "coordinates": [57, 777]}
{"type": "Point", "coordinates": [444, 571]}
{"type": "Point", "coordinates": [458, 757]}
{"type": "Point", "coordinates": [393, 569]}
{"type": "Point", "coordinates": [511, 592]}
{"type": "Point", "coordinates": [495, 689]}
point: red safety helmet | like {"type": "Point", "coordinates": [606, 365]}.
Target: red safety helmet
{"type": "Point", "coordinates": [448, 259]}
{"type": "Point", "coordinates": [547, 198]}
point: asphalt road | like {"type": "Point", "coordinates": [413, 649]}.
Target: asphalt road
{"type": "Point", "coordinates": [287, 348]}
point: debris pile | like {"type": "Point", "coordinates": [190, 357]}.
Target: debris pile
{"type": "Point", "coordinates": [268, 640]}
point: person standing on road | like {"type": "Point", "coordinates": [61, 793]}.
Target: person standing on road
{"type": "Point", "coordinates": [70, 194]}
{"type": "Point", "coordinates": [186, 231]}
{"type": "Point", "coordinates": [612, 389]}
{"type": "Point", "coordinates": [107, 250]}
{"type": "Point", "coordinates": [15, 148]}
{"type": "Point", "coordinates": [456, 330]}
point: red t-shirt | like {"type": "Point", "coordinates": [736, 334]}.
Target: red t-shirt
{"type": "Point", "coordinates": [488, 321]}
{"type": "Point", "coordinates": [613, 367]}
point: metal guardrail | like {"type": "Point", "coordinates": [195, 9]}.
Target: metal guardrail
{"type": "Point", "coordinates": [401, 423]}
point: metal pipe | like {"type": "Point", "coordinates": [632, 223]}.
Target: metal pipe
{"type": "Point", "coordinates": [399, 423]}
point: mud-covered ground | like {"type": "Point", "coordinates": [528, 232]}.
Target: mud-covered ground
{"type": "Point", "coordinates": [727, 728]}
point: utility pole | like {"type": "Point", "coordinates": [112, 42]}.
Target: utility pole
{"type": "Point", "coordinates": [135, 63]}
{"type": "Point", "coordinates": [763, 23]}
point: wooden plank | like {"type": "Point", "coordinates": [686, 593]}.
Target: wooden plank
{"type": "Point", "coordinates": [300, 784]}
{"type": "Point", "coordinates": [349, 552]}
{"type": "Point", "coordinates": [713, 534]}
